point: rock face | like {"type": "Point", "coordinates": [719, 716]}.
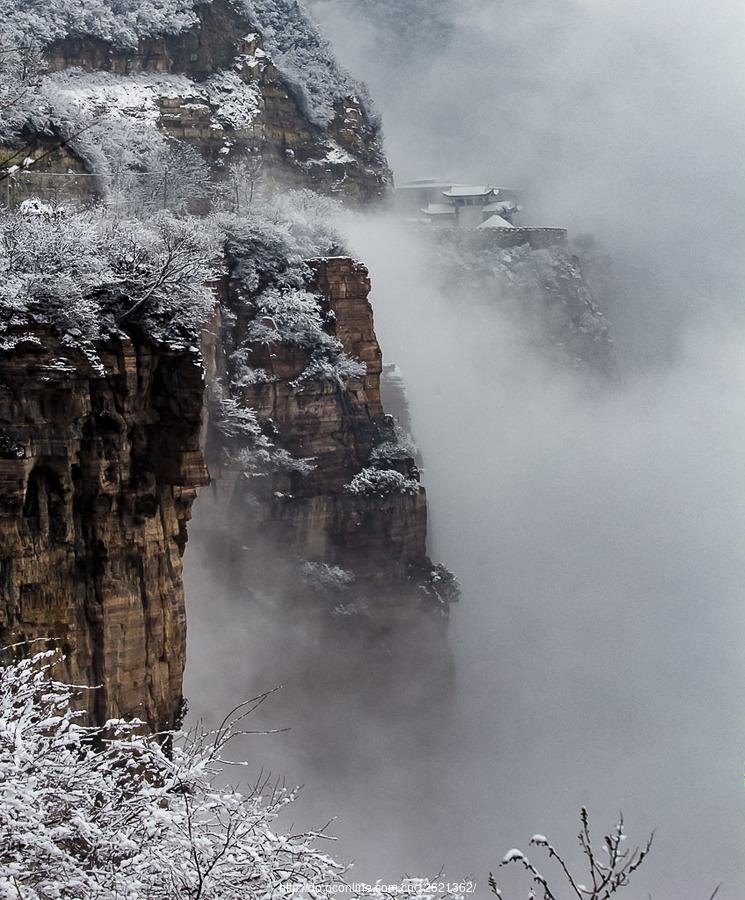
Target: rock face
{"type": "Point", "coordinates": [99, 466]}
{"type": "Point", "coordinates": [538, 284]}
{"type": "Point", "coordinates": [49, 159]}
{"type": "Point", "coordinates": [228, 97]}
{"type": "Point", "coordinates": [377, 538]}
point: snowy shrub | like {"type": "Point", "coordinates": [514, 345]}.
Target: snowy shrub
{"type": "Point", "coordinates": [248, 376]}
{"type": "Point", "coordinates": [150, 172]}
{"type": "Point", "coordinates": [401, 446]}
{"type": "Point", "coordinates": [33, 208]}
{"type": "Point", "coordinates": [20, 71]}
{"type": "Point", "coordinates": [240, 190]}
{"type": "Point", "coordinates": [290, 317]}
{"type": "Point", "coordinates": [233, 420]}
{"type": "Point", "coordinates": [87, 275]}
{"type": "Point", "coordinates": [338, 370]}
{"type": "Point", "coordinates": [310, 219]}
{"type": "Point", "coordinates": [243, 373]}
{"type": "Point", "coordinates": [443, 585]}
{"type": "Point", "coordinates": [325, 577]}
{"type": "Point", "coordinates": [256, 455]}
{"type": "Point", "coordinates": [352, 609]}
{"type": "Point", "coordinates": [108, 814]}
{"type": "Point", "coordinates": [122, 23]}
{"type": "Point", "coordinates": [258, 461]}
{"type": "Point", "coordinates": [262, 254]}
{"type": "Point", "coordinates": [381, 483]}
{"type": "Point", "coordinates": [269, 248]}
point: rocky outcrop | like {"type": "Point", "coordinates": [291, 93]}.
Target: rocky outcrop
{"type": "Point", "coordinates": [378, 539]}
{"type": "Point", "coordinates": [342, 157]}
{"type": "Point", "coordinates": [99, 466]}
{"type": "Point", "coordinates": [535, 281]}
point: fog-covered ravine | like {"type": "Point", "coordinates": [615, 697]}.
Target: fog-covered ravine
{"type": "Point", "coordinates": [597, 529]}
{"type": "Point", "coordinates": [598, 653]}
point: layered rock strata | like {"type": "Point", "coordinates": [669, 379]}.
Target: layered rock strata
{"type": "Point", "coordinates": [378, 538]}
{"type": "Point", "coordinates": [99, 466]}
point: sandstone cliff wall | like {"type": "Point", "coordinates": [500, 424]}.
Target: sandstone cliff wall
{"type": "Point", "coordinates": [281, 522]}
{"type": "Point", "coordinates": [100, 464]}
{"type": "Point", "coordinates": [99, 467]}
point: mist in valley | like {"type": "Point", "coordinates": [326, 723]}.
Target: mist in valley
{"type": "Point", "coordinates": [597, 529]}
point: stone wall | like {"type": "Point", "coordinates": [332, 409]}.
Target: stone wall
{"type": "Point", "coordinates": [48, 170]}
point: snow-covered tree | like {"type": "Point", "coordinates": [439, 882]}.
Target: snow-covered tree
{"type": "Point", "coordinates": [88, 275]}
{"type": "Point", "coordinates": [37, 23]}
{"type": "Point", "coordinates": [310, 218]}
{"type": "Point", "coordinates": [20, 71]}
{"type": "Point", "coordinates": [326, 578]}
{"type": "Point", "coordinates": [267, 248]}
{"type": "Point", "coordinates": [142, 170]}
{"type": "Point", "coordinates": [112, 814]}
{"type": "Point", "coordinates": [336, 368]}
{"type": "Point", "coordinates": [399, 446]}
{"type": "Point", "coordinates": [290, 317]}
{"type": "Point", "coordinates": [241, 187]}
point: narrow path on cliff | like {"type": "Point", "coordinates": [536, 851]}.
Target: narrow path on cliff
{"type": "Point", "coordinates": [598, 659]}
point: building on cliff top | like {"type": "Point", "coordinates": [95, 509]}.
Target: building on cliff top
{"type": "Point", "coordinates": [450, 204]}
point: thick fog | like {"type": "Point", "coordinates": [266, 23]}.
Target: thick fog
{"type": "Point", "coordinates": [621, 118]}
{"type": "Point", "coordinates": [598, 532]}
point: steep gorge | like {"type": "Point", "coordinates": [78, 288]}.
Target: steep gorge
{"type": "Point", "coordinates": [101, 467]}
{"type": "Point", "coordinates": [101, 463]}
